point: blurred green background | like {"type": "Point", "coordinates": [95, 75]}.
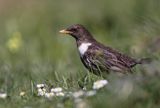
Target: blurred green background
{"type": "Point", "coordinates": [32, 50]}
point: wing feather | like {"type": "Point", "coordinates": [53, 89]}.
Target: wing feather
{"type": "Point", "coordinates": [108, 59]}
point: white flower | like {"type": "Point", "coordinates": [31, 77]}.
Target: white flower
{"type": "Point", "coordinates": [22, 93]}
{"type": "Point", "coordinates": [56, 90]}
{"type": "Point", "coordinates": [41, 92]}
{"type": "Point", "coordinates": [41, 89]}
{"type": "Point", "coordinates": [91, 93]}
{"type": "Point", "coordinates": [99, 84]}
{"type": "Point", "coordinates": [60, 94]}
{"type": "Point", "coordinates": [3, 95]}
{"type": "Point", "coordinates": [49, 95]}
{"type": "Point", "coordinates": [40, 85]}
{"type": "Point", "coordinates": [78, 94]}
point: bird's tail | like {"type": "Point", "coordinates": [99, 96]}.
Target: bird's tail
{"type": "Point", "coordinates": [144, 61]}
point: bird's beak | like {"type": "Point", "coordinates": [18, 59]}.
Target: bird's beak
{"type": "Point", "coordinates": [65, 31]}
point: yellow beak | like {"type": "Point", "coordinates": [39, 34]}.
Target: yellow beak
{"type": "Point", "coordinates": [65, 32]}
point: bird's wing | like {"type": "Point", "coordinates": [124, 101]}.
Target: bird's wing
{"type": "Point", "coordinates": [108, 59]}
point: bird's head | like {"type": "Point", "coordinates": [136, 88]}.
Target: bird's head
{"type": "Point", "coordinates": [77, 31]}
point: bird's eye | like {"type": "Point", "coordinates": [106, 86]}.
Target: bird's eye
{"type": "Point", "coordinates": [74, 29]}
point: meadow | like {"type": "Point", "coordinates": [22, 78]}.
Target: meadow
{"type": "Point", "coordinates": [32, 52]}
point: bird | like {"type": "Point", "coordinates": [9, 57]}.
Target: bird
{"type": "Point", "coordinates": [98, 58]}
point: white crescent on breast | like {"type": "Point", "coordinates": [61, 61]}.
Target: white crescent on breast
{"type": "Point", "coordinates": [83, 48]}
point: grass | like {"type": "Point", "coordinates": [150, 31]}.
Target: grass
{"type": "Point", "coordinates": [32, 52]}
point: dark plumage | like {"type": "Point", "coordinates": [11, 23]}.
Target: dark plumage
{"type": "Point", "coordinates": [99, 58]}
